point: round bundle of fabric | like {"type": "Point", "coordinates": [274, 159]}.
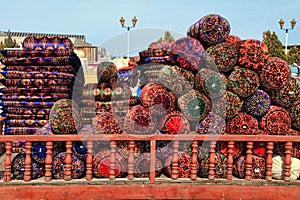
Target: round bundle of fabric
{"type": "Point", "coordinates": [142, 166]}
{"type": "Point", "coordinates": [121, 92]}
{"type": "Point", "coordinates": [220, 166]}
{"type": "Point", "coordinates": [160, 45]}
{"type": "Point", "coordinates": [39, 152]}
{"type": "Point", "coordinates": [26, 111]}
{"type": "Point", "coordinates": [140, 121]}
{"type": "Point", "coordinates": [65, 117]}
{"type": "Point", "coordinates": [243, 82]}
{"type": "Point", "coordinates": [237, 150]}
{"type": "Point", "coordinates": [102, 106]}
{"type": "Point", "coordinates": [252, 54]}
{"type": "Point", "coordinates": [163, 149]}
{"type": "Point", "coordinates": [34, 96]}
{"type": "Point", "coordinates": [278, 168]}
{"type": "Point", "coordinates": [277, 121]}
{"type": "Point", "coordinates": [210, 29]}
{"type": "Point", "coordinates": [287, 95]}
{"type": "Point", "coordinates": [124, 150]}
{"type": "Point", "coordinates": [295, 115]}
{"type": "Point", "coordinates": [279, 148]}
{"type": "Point", "coordinates": [59, 164]}
{"type": "Point", "coordinates": [275, 74]}
{"type": "Point", "coordinates": [89, 90]}
{"type": "Point", "coordinates": [101, 165]}
{"type": "Point", "coordinates": [234, 40]}
{"type": "Point", "coordinates": [106, 123]}
{"type": "Point", "coordinates": [18, 167]}
{"type": "Point", "coordinates": [107, 72]}
{"type": "Point", "coordinates": [224, 55]}
{"type": "Point", "coordinates": [194, 105]}
{"type": "Point", "coordinates": [242, 124]}
{"type": "Point", "coordinates": [211, 82]}
{"type": "Point", "coordinates": [187, 53]}
{"type": "Point", "coordinates": [258, 104]}
{"type": "Point", "coordinates": [157, 98]}
{"type": "Point", "coordinates": [80, 150]}
{"type": "Point", "coordinates": [175, 123]}
{"type": "Point", "coordinates": [260, 149]}
{"type": "Point", "coordinates": [32, 53]}
{"type": "Point", "coordinates": [212, 124]}
{"type": "Point", "coordinates": [184, 165]}
{"type": "Point", "coordinates": [258, 167]}
{"type": "Point", "coordinates": [178, 80]}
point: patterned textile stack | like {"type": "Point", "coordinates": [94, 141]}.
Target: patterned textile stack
{"type": "Point", "coordinates": [35, 78]}
{"type": "Point", "coordinates": [87, 103]}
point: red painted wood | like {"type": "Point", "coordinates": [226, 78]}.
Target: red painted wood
{"type": "Point", "coordinates": [175, 161]}
{"type": "Point", "coordinates": [269, 161]}
{"type": "Point", "coordinates": [27, 173]}
{"type": "Point", "coordinates": [89, 161]}
{"type": "Point", "coordinates": [287, 161]}
{"type": "Point", "coordinates": [248, 174]}
{"type": "Point", "coordinates": [194, 169]}
{"type": "Point", "coordinates": [131, 160]}
{"type": "Point", "coordinates": [48, 161]}
{"type": "Point", "coordinates": [68, 167]}
{"type": "Point", "coordinates": [152, 161]}
{"type": "Point", "coordinates": [229, 159]}
{"type": "Point", "coordinates": [112, 165]}
{"type": "Point", "coordinates": [161, 191]}
{"type": "Point", "coordinates": [7, 172]}
{"type": "Point", "coordinates": [212, 159]}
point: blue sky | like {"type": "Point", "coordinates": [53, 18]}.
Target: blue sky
{"type": "Point", "coordinates": [99, 20]}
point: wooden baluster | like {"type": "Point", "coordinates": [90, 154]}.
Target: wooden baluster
{"type": "Point", "coordinates": [175, 161]}
{"type": "Point", "coordinates": [269, 161]}
{"type": "Point", "coordinates": [7, 173]}
{"type": "Point", "coordinates": [131, 160]}
{"type": "Point", "coordinates": [112, 160]}
{"type": "Point", "coordinates": [212, 159]}
{"type": "Point", "coordinates": [27, 173]}
{"type": "Point", "coordinates": [48, 161]}
{"type": "Point", "coordinates": [194, 169]}
{"type": "Point", "coordinates": [230, 147]}
{"type": "Point", "coordinates": [248, 173]}
{"type": "Point", "coordinates": [89, 161]}
{"type": "Point", "coordinates": [152, 161]}
{"type": "Point", "coordinates": [68, 167]}
{"type": "Point", "coordinates": [287, 161]}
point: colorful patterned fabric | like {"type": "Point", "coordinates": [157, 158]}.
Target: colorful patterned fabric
{"type": "Point", "coordinates": [140, 121]}
{"type": "Point", "coordinates": [210, 29]}
{"type": "Point", "coordinates": [295, 115]}
{"type": "Point", "coordinates": [258, 167]}
{"type": "Point", "coordinates": [252, 54]}
{"type": "Point", "coordinates": [152, 53]}
{"type": "Point", "coordinates": [194, 105]}
{"type": "Point", "coordinates": [37, 82]}
{"type": "Point", "coordinates": [80, 150]}
{"type": "Point", "coordinates": [220, 166]}
{"type": "Point", "coordinates": [211, 82]}
{"type": "Point", "coordinates": [242, 124]}
{"type": "Point", "coordinates": [26, 111]}
{"type": "Point", "coordinates": [21, 130]}
{"type": "Point", "coordinates": [184, 165]}
{"type": "Point", "coordinates": [258, 104]}
{"type": "Point", "coordinates": [65, 117]}
{"type": "Point", "coordinates": [187, 53]}
{"type": "Point", "coordinates": [279, 148]}
{"type": "Point", "coordinates": [39, 152]}
{"type": "Point", "coordinates": [178, 80]}
{"type": "Point", "coordinates": [157, 98]}
{"type": "Point", "coordinates": [123, 148]}
{"type": "Point", "coordinates": [101, 165]}
{"type": "Point", "coordinates": [89, 90]}
{"type": "Point", "coordinates": [275, 74]}
{"type": "Point", "coordinates": [142, 166]}
{"type": "Point", "coordinates": [34, 96]}
{"type": "Point", "coordinates": [235, 40]}
{"type": "Point", "coordinates": [224, 56]}
{"type": "Point", "coordinates": [18, 167]}
{"type": "Point", "coordinates": [39, 61]}
{"type": "Point", "coordinates": [162, 60]}
{"type": "Point", "coordinates": [66, 69]}
{"type": "Point", "coordinates": [175, 123]}
{"type": "Point", "coordinates": [27, 104]}
{"type": "Point", "coordinates": [107, 72]}
{"type": "Point", "coordinates": [42, 89]}
{"type": "Point", "coordinates": [164, 149]}
{"type": "Point", "coordinates": [230, 105]}
{"type": "Point", "coordinates": [277, 121]}
{"type": "Point", "coordinates": [25, 123]}
{"type": "Point", "coordinates": [36, 75]}
{"type": "Point", "coordinates": [160, 45]}
{"type": "Point", "coordinates": [47, 43]}
{"type": "Point", "coordinates": [212, 124]}
{"type": "Point", "coordinates": [237, 150]}
{"type": "Point", "coordinates": [260, 149]}
{"type": "Point", "coordinates": [243, 82]}
{"type": "Point", "coordinates": [59, 164]}
{"type": "Point", "coordinates": [106, 123]}
{"type": "Point", "coordinates": [32, 53]}
{"type": "Point", "coordinates": [27, 117]}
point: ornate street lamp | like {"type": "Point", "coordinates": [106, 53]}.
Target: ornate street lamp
{"type": "Point", "coordinates": [122, 21]}
{"type": "Point", "coordinates": [281, 24]}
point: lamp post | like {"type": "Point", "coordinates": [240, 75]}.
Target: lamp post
{"type": "Point", "coordinates": [281, 24]}
{"type": "Point", "coordinates": [122, 21]}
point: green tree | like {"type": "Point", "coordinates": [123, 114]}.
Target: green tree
{"type": "Point", "coordinates": [274, 45]}
{"type": "Point", "coordinates": [9, 42]}
{"type": "Point", "coordinates": [293, 55]}
{"type": "Point", "coordinates": [2, 46]}
{"type": "Point", "coordinates": [167, 38]}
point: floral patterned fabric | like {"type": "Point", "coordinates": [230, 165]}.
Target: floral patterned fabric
{"type": "Point", "coordinates": [47, 43]}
